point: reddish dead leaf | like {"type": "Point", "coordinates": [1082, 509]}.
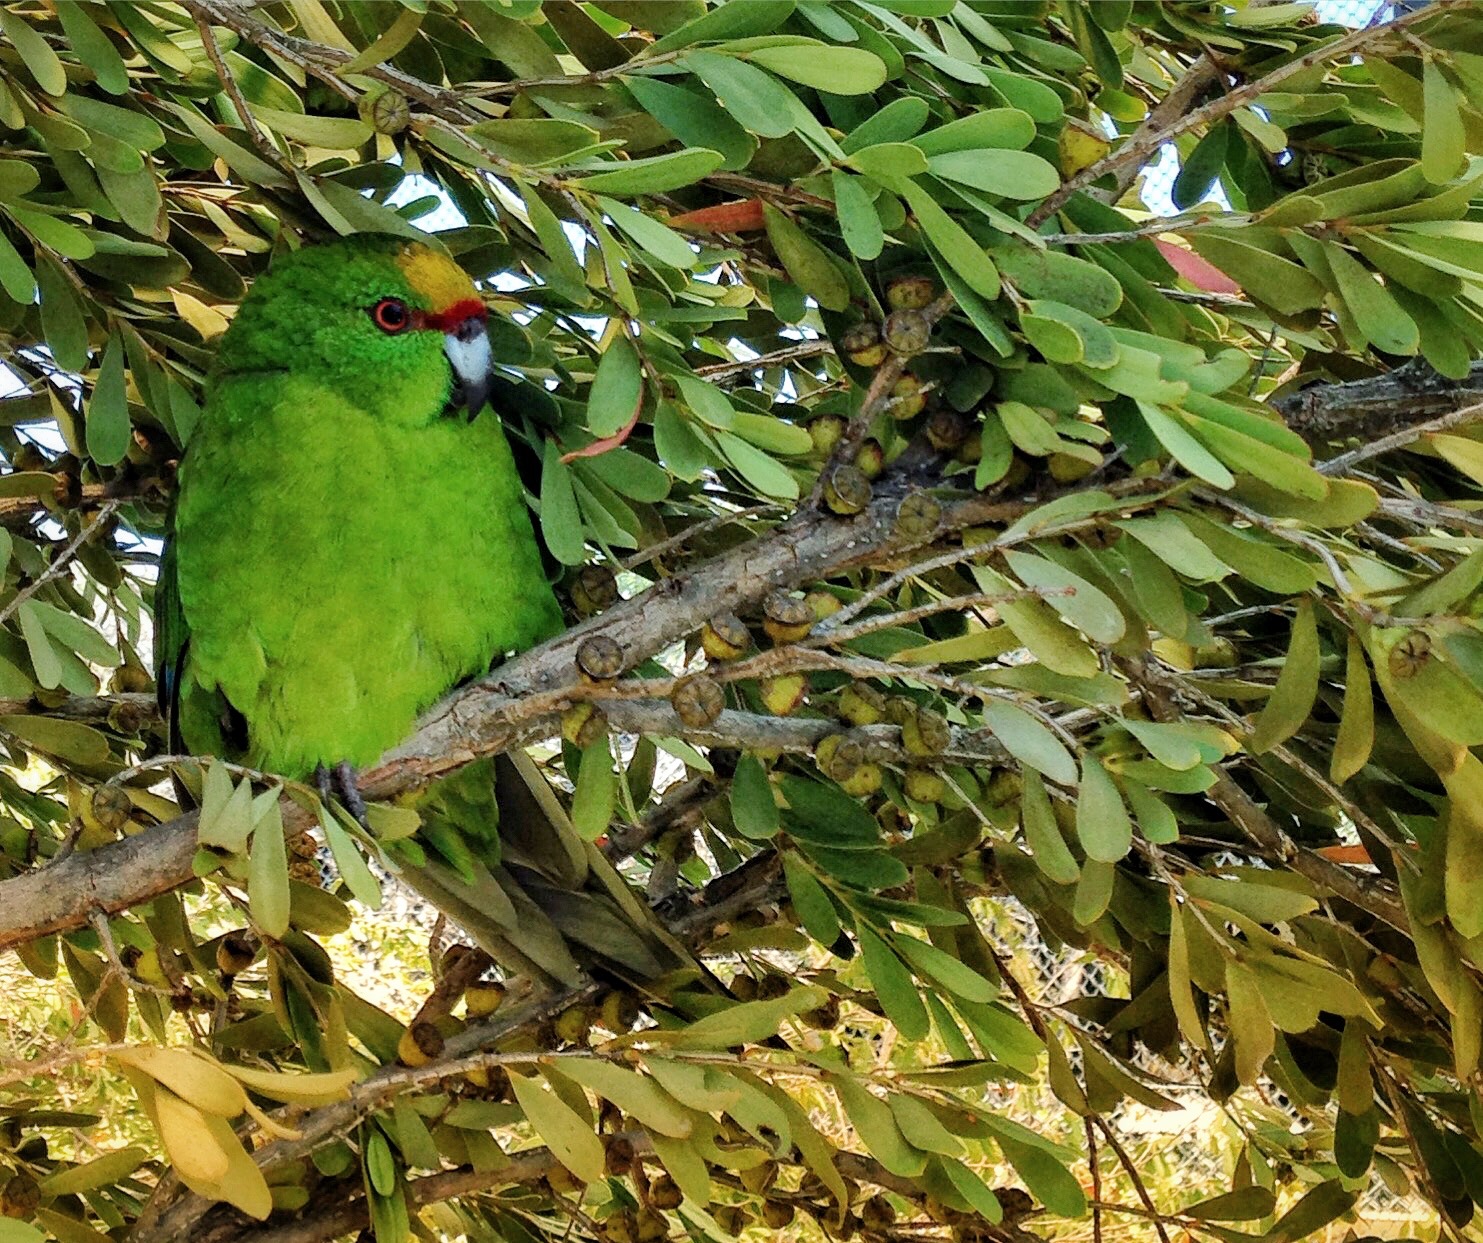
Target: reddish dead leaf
{"type": "Point", "coordinates": [743, 216]}
{"type": "Point", "coordinates": [1345, 854]}
{"type": "Point", "coordinates": [1197, 271]}
{"type": "Point", "coordinates": [598, 447]}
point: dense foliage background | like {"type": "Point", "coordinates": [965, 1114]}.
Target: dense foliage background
{"type": "Point", "coordinates": [967, 572]}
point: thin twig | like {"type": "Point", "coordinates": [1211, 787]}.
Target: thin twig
{"type": "Point", "coordinates": [60, 562]}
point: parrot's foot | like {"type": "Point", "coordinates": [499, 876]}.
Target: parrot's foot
{"type": "Point", "coordinates": [340, 782]}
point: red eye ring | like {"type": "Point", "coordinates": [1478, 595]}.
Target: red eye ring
{"type": "Point", "coordinates": [391, 315]}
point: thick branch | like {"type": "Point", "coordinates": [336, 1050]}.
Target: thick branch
{"type": "Point", "coordinates": [1377, 405]}
{"type": "Point", "coordinates": [513, 705]}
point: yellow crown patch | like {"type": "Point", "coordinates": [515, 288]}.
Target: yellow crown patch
{"type": "Point", "coordinates": [435, 276]}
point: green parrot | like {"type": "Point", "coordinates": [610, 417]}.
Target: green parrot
{"type": "Point", "coordinates": [350, 542]}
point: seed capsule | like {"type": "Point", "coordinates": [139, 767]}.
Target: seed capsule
{"type": "Point", "coordinates": [724, 637]}
{"type": "Point", "coordinates": [838, 756]}
{"type": "Point", "coordinates": [235, 952]}
{"type": "Point", "coordinates": [482, 999]}
{"type": "Point", "coordinates": [111, 807]}
{"type": "Point", "coordinates": [594, 589]}
{"type": "Point", "coordinates": [823, 1018]}
{"type": "Point", "coordinates": [865, 780]}
{"type": "Point", "coordinates": [777, 1213]}
{"type": "Point", "coordinates": [926, 733]}
{"type": "Point", "coordinates": [1409, 656]}
{"type": "Point", "coordinates": [917, 516]}
{"type": "Point", "coordinates": [21, 1196]}
{"type": "Point", "coordinates": [946, 430]}
{"type": "Point", "coordinates": [861, 704]}
{"type": "Point", "coordinates": [573, 1024]}
{"type": "Point", "coordinates": [871, 459]}
{"type": "Point", "coordinates": [923, 785]}
{"type": "Point", "coordinates": [910, 293]}
{"type": "Point", "coordinates": [584, 724]}
{"type": "Point", "coordinates": [783, 693]}
{"type": "Point", "coordinates": [847, 490]}
{"type": "Point", "coordinates": [907, 398]}
{"type": "Point", "coordinates": [862, 345]}
{"type": "Point", "coordinates": [697, 700]}
{"type": "Point", "coordinates": [664, 1193]}
{"type": "Point", "coordinates": [822, 604]}
{"type": "Point", "coordinates": [131, 679]}
{"type": "Point", "coordinates": [906, 332]}
{"type": "Point", "coordinates": [600, 658]}
{"type": "Point", "coordinates": [618, 1012]}
{"type": "Point", "coordinates": [877, 1214]}
{"type": "Point", "coordinates": [744, 988]}
{"type": "Point", "coordinates": [786, 618]}
{"type": "Point", "coordinates": [420, 1044]}
{"type": "Point", "coordinates": [388, 112]}
{"type": "Point", "coordinates": [826, 430]}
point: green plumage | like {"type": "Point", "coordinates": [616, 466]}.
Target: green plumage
{"type": "Point", "coordinates": [344, 551]}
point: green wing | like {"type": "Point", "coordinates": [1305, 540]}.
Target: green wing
{"type": "Point", "coordinates": [172, 643]}
{"type": "Point", "coordinates": [200, 719]}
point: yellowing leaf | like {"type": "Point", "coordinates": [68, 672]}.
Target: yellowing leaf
{"type": "Point", "coordinates": [571, 1140]}
{"type": "Point", "coordinates": [1297, 687]}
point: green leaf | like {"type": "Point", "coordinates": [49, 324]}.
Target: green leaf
{"type": "Point", "coordinates": [267, 874]}
{"type": "Point", "coordinates": [812, 902]}
{"type": "Point", "coordinates": [15, 275]}
{"type": "Point", "coordinates": [1009, 174]}
{"type": "Point", "coordinates": [1244, 1204]}
{"type": "Point", "coordinates": [597, 792]}
{"type": "Point", "coordinates": [1088, 609]}
{"type": "Point", "coordinates": [561, 523]}
{"type": "Point", "coordinates": [1008, 129]}
{"type": "Point", "coordinates": [43, 63]}
{"type": "Point", "coordinates": [1356, 736]}
{"type": "Point", "coordinates": [1293, 697]}
{"type": "Point", "coordinates": [1443, 140]}
{"type": "Point", "coordinates": [571, 1140]}
{"type": "Point", "coordinates": [1201, 167]}
{"type": "Point", "coordinates": [617, 389]}
{"type": "Point", "coordinates": [1043, 835]}
{"type": "Point", "coordinates": [695, 118]}
{"type": "Point", "coordinates": [764, 473]}
{"type": "Point", "coordinates": [108, 430]}
{"type": "Point", "coordinates": [1029, 740]}
{"type": "Point", "coordinates": [749, 1023]}
{"type": "Point", "coordinates": [358, 877]}
{"type": "Point", "coordinates": [388, 44]}
{"type": "Point", "coordinates": [859, 223]}
{"type": "Point", "coordinates": [956, 246]}
{"type": "Point", "coordinates": [659, 240]}
{"type": "Point", "coordinates": [71, 741]}
{"type": "Point", "coordinates": [1376, 313]}
{"type": "Point", "coordinates": [757, 101]}
{"type": "Point", "coordinates": [636, 1095]}
{"type": "Point", "coordinates": [1267, 277]}
{"type": "Point", "coordinates": [927, 959]}
{"type": "Point", "coordinates": [807, 263]}
{"type": "Point", "coordinates": [62, 320]}
{"type": "Point", "coordinates": [1046, 1176]}
{"type": "Point", "coordinates": [655, 174]}
{"type": "Point", "coordinates": [754, 811]}
{"type": "Point", "coordinates": [894, 986]}
{"type": "Point", "coordinates": [838, 70]}
{"type": "Point", "coordinates": [1037, 626]}
{"type": "Point", "coordinates": [1102, 823]}
{"type": "Point", "coordinates": [93, 48]}
{"type": "Point", "coordinates": [877, 1127]}
{"type": "Point", "coordinates": [1184, 448]}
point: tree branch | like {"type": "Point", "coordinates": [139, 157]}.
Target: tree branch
{"type": "Point", "coordinates": [1376, 405]}
{"type": "Point", "coordinates": [519, 701]}
{"type": "Point", "coordinates": [1142, 145]}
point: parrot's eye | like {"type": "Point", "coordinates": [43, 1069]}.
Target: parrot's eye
{"type": "Point", "coordinates": [391, 315]}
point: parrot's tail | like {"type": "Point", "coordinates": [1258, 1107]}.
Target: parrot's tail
{"type": "Point", "coordinates": [507, 864]}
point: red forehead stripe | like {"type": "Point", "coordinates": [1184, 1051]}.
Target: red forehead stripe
{"type": "Point", "coordinates": [449, 318]}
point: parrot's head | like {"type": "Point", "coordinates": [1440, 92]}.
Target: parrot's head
{"type": "Point", "coordinates": [393, 325]}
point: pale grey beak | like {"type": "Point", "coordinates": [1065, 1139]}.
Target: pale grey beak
{"type": "Point", "coordinates": [467, 348]}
